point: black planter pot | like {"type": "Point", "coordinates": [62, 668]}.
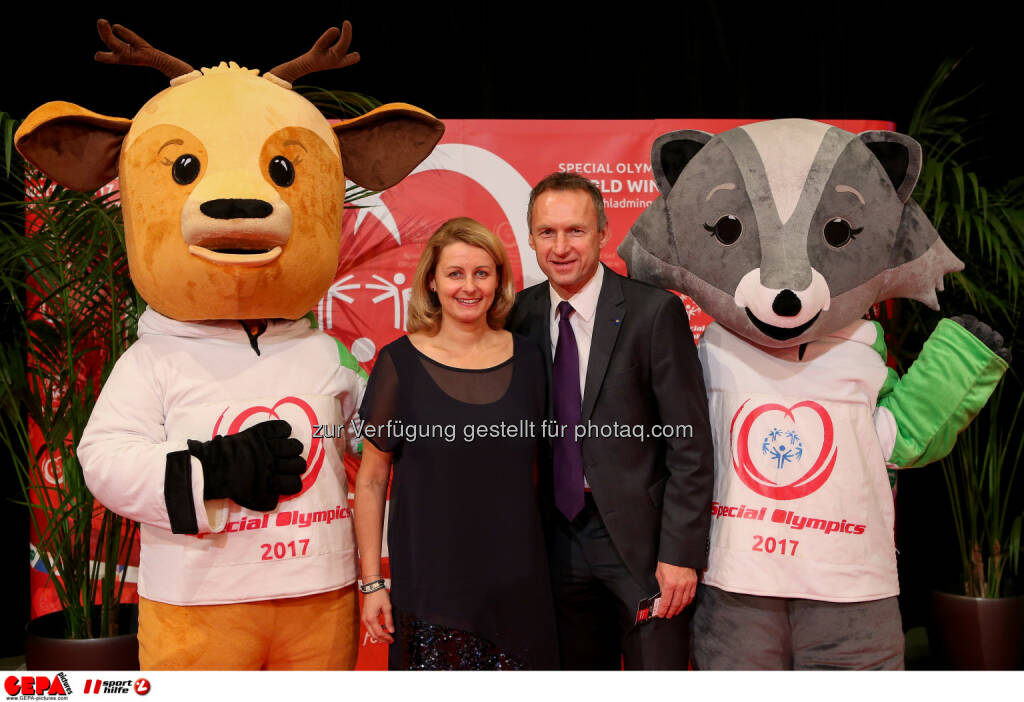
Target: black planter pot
{"type": "Point", "coordinates": [47, 649]}
{"type": "Point", "coordinates": [978, 633]}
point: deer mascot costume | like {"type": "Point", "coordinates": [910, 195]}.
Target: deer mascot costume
{"type": "Point", "coordinates": [787, 232]}
{"type": "Point", "coordinates": [232, 187]}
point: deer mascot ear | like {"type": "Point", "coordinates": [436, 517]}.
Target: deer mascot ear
{"type": "Point", "coordinates": [79, 148]}
{"type": "Point", "coordinates": [380, 148]}
{"type": "Point", "coordinates": [72, 145]}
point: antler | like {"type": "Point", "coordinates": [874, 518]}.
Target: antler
{"type": "Point", "coordinates": [328, 52]}
{"type": "Point", "coordinates": [129, 49]}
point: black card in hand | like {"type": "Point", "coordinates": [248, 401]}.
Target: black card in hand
{"type": "Point", "coordinates": [648, 608]}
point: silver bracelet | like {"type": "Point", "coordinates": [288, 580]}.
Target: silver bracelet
{"type": "Point", "coordinates": [372, 586]}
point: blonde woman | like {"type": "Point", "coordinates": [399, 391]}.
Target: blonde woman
{"type": "Point", "coordinates": [452, 412]}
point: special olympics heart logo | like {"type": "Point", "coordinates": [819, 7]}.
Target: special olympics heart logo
{"type": "Point", "coordinates": [783, 447]}
{"type": "Point", "coordinates": [315, 457]}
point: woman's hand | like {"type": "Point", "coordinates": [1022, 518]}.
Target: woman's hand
{"type": "Point", "coordinates": [371, 493]}
{"type": "Point", "coordinates": [376, 605]}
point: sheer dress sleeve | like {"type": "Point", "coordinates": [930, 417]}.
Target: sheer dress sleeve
{"type": "Point", "coordinates": [381, 424]}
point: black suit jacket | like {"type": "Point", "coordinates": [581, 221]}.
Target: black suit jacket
{"type": "Point", "coordinates": [654, 495]}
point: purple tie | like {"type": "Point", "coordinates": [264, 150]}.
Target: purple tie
{"type": "Point", "coordinates": [568, 457]}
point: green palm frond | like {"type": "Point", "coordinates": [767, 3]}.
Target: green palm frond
{"type": "Point", "coordinates": [66, 275]}
{"type": "Point", "coordinates": [980, 478]}
{"type": "Point", "coordinates": [338, 104]}
{"type": "Point", "coordinates": [983, 226]}
{"type": "Point", "coordinates": [7, 127]}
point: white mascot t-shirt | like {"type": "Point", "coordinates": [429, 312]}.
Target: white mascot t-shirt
{"type": "Point", "coordinates": [802, 503]}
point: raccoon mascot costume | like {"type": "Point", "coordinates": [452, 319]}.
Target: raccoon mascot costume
{"type": "Point", "coordinates": [787, 232]}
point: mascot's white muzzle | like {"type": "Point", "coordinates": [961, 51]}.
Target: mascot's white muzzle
{"type": "Point", "coordinates": [223, 228]}
{"type": "Point", "coordinates": [782, 307]}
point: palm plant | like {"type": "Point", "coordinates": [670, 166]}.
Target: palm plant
{"type": "Point", "coordinates": [985, 228]}
{"type": "Point", "coordinates": [67, 276]}
{"type": "Point", "coordinates": [980, 479]}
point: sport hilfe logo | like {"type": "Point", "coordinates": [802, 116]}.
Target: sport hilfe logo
{"type": "Point", "coordinates": [781, 446]}
{"type": "Point", "coordinates": [294, 410]}
{"type": "Point", "coordinates": [116, 687]}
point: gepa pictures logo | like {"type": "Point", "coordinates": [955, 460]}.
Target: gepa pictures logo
{"type": "Point", "coordinates": [24, 687]}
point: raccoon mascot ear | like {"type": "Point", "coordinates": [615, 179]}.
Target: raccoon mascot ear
{"type": "Point", "coordinates": [649, 250]}
{"type": "Point", "coordinates": [671, 152]}
{"type": "Point", "coordinates": [899, 155]}
{"type": "Point", "coordinates": [919, 258]}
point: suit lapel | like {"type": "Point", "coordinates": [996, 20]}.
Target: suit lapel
{"type": "Point", "coordinates": [537, 309]}
{"type": "Point", "coordinates": [540, 314]}
{"type": "Point", "coordinates": [608, 319]}
{"type": "Point", "coordinates": [544, 314]}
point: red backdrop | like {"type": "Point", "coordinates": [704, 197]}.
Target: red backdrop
{"type": "Point", "coordinates": [482, 169]}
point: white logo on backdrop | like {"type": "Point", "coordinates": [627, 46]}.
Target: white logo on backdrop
{"type": "Point", "coordinates": [325, 308]}
{"type": "Point", "coordinates": [495, 175]}
{"type": "Point", "coordinates": [400, 296]}
{"type": "Point", "coordinates": [505, 185]}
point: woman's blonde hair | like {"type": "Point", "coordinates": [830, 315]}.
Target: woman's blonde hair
{"type": "Point", "coordinates": [424, 306]}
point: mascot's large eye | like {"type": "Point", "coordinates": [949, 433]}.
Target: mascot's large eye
{"type": "Point", "coordinates": [838, 232]}
{"type": "Point", "coordinates": [185, 169]}
{"type": "Point", "coordinates": [281, 171]}
{"type": "Point", "coordinates": [727, 229]}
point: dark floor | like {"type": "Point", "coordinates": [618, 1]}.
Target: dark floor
{"type": "Point", "coordinates": [917, 653]}
{"type": "Point", "coordinates": [13, 663]}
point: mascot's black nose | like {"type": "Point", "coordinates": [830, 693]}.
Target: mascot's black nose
{"type": "Point", "coordinates": [786, 304]}
{"type": "Point", "coordinates": [236, 208]}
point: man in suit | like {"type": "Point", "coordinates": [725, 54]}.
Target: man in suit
{"type": "Point", "coordinates": [627, 505]}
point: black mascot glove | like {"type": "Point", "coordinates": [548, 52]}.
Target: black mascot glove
{"type": "Point", "coordinates": [253, 467]}
{"type": "Point", "coordinates": [986, 334]}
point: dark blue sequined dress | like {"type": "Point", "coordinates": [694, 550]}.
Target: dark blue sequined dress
{"type": "Point", "coordinates": [469, 573]}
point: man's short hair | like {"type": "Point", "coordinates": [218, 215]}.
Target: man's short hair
{"type": "Point", "coordinates": [568, 181]}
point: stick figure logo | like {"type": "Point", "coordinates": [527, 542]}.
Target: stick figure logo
{"type": "Point", "coordinates": [784, 448]}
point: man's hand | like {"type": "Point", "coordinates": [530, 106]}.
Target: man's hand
{"type": "Point", "coordinates": [678, 586]}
